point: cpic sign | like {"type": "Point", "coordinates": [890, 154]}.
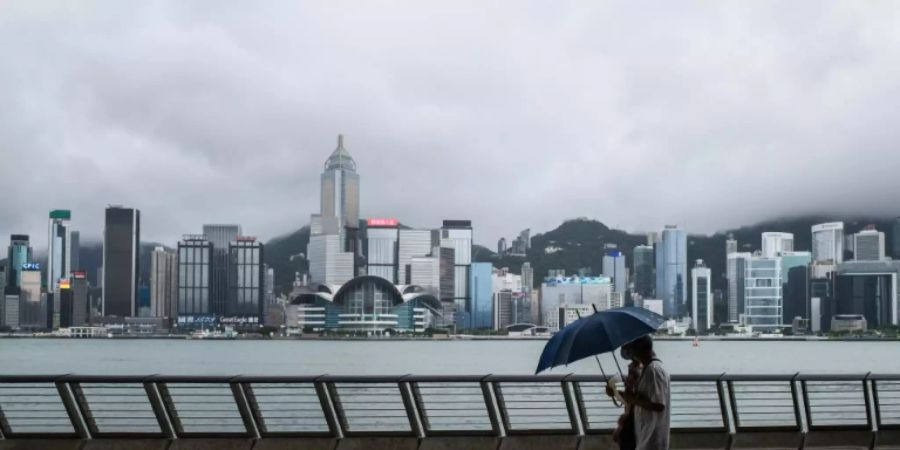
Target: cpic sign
{"type": "Point", "coordinates": [31, 266]}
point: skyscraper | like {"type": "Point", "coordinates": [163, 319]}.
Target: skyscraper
{"type": "Point", "coordinates": [18, 255]}
{"type": "Point", "coordinates": [795, 279]}
{"type": "Point", "coordinates": [868, 245]}
{"type": "Point", "coordinates": [482, 283]}
{"type": "Point", "coordinates": [334, 232]}
{"type": "Point", "coordinates": [702, 301]}
{"type": "Point", "coordinates": [643, 271]}
{"type": "Point", "coordinates": [220, 236]}
{"type": "Point", "coordinates": [457, 235]}
{"type": "Point", "coordinates": [327, 263]}
{"type": "Point", "coordinates": [615, 267]}
{"type": "Point", "coordinates": [413, 244]}
{"type": "Point", "coordinates": [121, 245]}
{"type": "Point", "coordinates": [775, 243]}
{"type": "Point", "coordinates": [501, 246]}
{"type": "Point", "coordinates": [828, 243]}
{"type": "Point", "coordinates": [531, 295]}
{"type": "Point", "coordinates": [671, 270]}
{"type": "Point", "coordinates": [164, 284]}
{"type": "Point", "coordinates": [194, 256]}
{"type": "Point", "coordinates": [382, 237]}
{"type": "Point", "coordinates": [32, 305]}
{"type": "Point", "coordinates": [59, 248]}
{"type": "Point", "coordinates": [736, 274]}
{"type": "Point", "coordinates": [340, 193]}
{"type": "Point", "coordinates": [246, 282]}
{"type": "Point", "coordinates": [763, 301]}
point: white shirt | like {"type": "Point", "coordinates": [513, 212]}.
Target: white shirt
{"type": "Point", "coordinates": [652, 428]}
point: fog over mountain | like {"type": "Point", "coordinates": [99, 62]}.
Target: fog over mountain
{"type": "Point", "coordinates": [511, 114]}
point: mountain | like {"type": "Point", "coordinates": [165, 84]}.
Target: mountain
{"type": "Point", "coordinates": [579, 244]}
{"type": "Point", "coordinates": [287, 255]}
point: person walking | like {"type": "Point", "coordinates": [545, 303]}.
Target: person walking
{"type": "Point", "coordinates": [651, 399]}
{"type": "Point", "coordinates": [624, 433]}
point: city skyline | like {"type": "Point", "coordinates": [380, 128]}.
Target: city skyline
{"type": "Point", "coordinates": [236, 132]}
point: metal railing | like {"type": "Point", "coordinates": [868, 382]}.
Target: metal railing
{"type": "Point", "coordinates": [717, 411]}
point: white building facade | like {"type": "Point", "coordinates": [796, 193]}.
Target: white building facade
{"type": "Point", "coordinates": [828, 243]}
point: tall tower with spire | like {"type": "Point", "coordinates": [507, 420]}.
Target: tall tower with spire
{"type": "Point", "coordinates": [340, 188]}
{"type": "Point", "coordinates": [334, 232]}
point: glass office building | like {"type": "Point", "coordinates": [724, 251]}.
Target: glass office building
{"type": "Point", "coordinates": [671, 270]}
{"type": "Point", "coordinates": [195, 254]}
{"type": "Point", "coordinates": [59, 248]}
{"type": "Point", "coordinates": [763, 294]}
{"type": "Point", "coordinates": [18, 254]}
{"type": "Point", "coordinates": [457, 235]}
{"type": "Point", "coordinates": [381, 249]}
{"type": "Point", "coordinates": [643, 271]}
{"type": "Point", "coordinates": [121, 247]}
{"type": "Point", "coordinates": [702, 301]}
{"type": "Point", "coordinates": [246, 279]}
{"type": "Point", "coordinates": [481, 282]}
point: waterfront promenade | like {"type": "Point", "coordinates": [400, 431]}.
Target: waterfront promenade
{"type": "Point", "coordinates": [563, 411]}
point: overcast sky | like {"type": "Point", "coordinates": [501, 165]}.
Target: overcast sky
{"type": "Point", "coordinates": [511, 114]}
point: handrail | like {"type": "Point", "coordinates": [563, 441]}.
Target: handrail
{"type": "Point", "coordinates": [423, 406]}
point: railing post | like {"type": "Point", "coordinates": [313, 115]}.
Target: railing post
{"type": "Point", "coordinates": [168, 404]}
{"type": "Point", "coordinates": [722, 397]}
{"type": "Point", "coordinates": [72, 409]}
{"type": "Point", "coordinates": [327, 408]}
{"type": "Point", "coordinates": [338, 408]}
{"type": "Point", "coordinates": [876, 404]}
{"type": "Point", "coordinates": [409, 404]}
{"type": "Point", "coordinates": [237, 389]}
{"type": "Point", "coordinates": [159, 409]}
{"type": "Point", "coordinates": [866, 392]}
{"type": "Point", "coordinates": [732, 400]}
{"type": "Point", "coordinates": [420, 407]}
{"type": "Point", "coordinates": [582, 409]}
{"type": "Point", "coordinates": [501, 406]}
{"type": "Point", "coordinates": [490, 406]}
{"type": "Point", "coordinates": [806, 407]}
{"type": "Point", "coordinates": [571, 406]}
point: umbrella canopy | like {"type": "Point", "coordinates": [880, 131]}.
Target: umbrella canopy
{"type": "Point", "coordinates": [598, 333]}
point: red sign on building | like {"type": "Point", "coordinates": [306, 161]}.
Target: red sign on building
{"type": "Point", "coordinates": [383, 222]}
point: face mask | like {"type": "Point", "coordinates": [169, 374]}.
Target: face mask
{"type": "Point", "coordinates": [625, 352]}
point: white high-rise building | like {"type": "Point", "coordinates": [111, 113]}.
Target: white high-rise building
{"type": "Point", "coordinates": [59, 248]}
{"type": "Point", "coordinates": [413, 244]}
{"type": "Point", "coordinates": [615, 267]}
{"type": "Point", "coordinates": [328, 264]}
{"type": "Point", "coordinates": [828, 243]}
{"type": "Point", "coordinates": [776, 243]}
{"type": "Point", "coordinates": [163, 283]}
{"type": "Point", "coordinates": [702, 305]}
{"type": "Point", "coordinates": [868, 245]}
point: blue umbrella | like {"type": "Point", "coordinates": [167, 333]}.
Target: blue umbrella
{"type": "Point", "coordinates": [599, 333]}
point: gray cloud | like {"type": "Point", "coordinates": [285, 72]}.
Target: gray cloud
{"type": "Point", "coordinates": [513, 115]}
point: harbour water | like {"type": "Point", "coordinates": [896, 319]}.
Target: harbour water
{"type": "Point", "coordinates": [307, 357]}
